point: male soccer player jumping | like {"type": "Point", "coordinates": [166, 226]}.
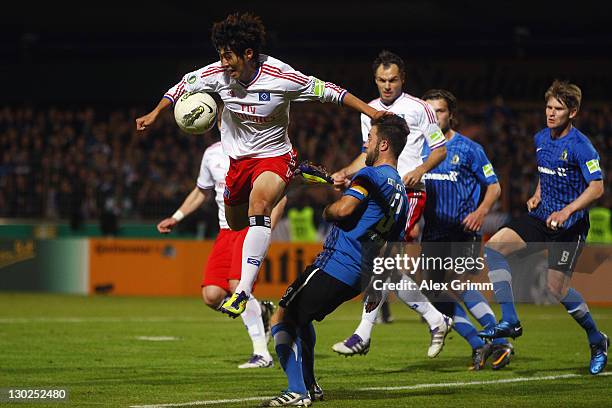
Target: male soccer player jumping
{"type": "Point", "coordinates": [453, 215]}
{"type": "Point", "coordinates": [223, 266]}
{"type": "Point", "coordinates": [570, 179]}
{"type": "Point", "coordinates": [257, 91]}
{"type": "Point", "coordinates": [373, 209]}
{"type": "Point", "coordinates": [389, 76]}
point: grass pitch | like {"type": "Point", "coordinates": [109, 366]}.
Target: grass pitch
{"type": "Point", "coordinates": [97, 348]}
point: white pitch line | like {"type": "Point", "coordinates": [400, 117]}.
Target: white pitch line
{"type": "Point", "coordinates": [11, 320]}
{"type": "Point", "coordinates": [406, 387]}
{"type": "Point", "coordinates": [208, 402]}
{"type": "Point", "coordinates": [468, 383]}
{"type": "Point", "coordinates": [157, 338]}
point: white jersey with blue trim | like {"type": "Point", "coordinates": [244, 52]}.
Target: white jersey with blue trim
{"type": "Point", "coordinates": [213, 170]}
{"type": "Point", "coordinates": [256, 115]}
{"type": "Point", "coordinates": [421, 120]}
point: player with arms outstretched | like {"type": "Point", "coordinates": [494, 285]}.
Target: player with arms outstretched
{"type": "Point", "coordinates": [373, 209]}
{"type": "Point", "coordinates": [570, 180]}
{"type": "Point", "coordinates": [257, 91]}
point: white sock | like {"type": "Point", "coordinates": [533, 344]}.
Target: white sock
{"type": "Point", "coordinates": [254, 325]}
{"type": "Point", "coordinates": [254, 250]}
{"type": "Point", "coordinates": [364, 330]}
{"type": "Point", "coordinates": [417, 301]}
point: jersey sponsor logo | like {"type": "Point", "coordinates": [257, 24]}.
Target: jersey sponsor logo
{"type": "Point", "coordinates": [455, 159]}
{"type": "Point", "coordinates": [253, 118]}
{"type": "Point", "coordinates": [191, 79]}
{"type": "Point", "coordinates": [318, 88]}
{"type": "Point", "coordinates": [451, 176]}
{"type": "Point", "coordinates": [487, 169]}
{"type": "Point", "coordinates": [264, 96]}
{"type": "Point", "coordinates": [593, 166]}
{"type": "Point", "coordinates": [561, 171]}
{"type": "Point", "coordinates": [253, 261]}
{"type": "Point", "coordinates": [538, 149]}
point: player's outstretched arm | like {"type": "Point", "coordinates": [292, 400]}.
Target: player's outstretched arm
{"type": "Point", "coordinates": [147, 120]}
{"type": "Point", "coordinates": [341, 209]}
{"type": "Point", "coordinates": [594, 191]}
{"type": "Point", "coordinates": [473, 221]}
{"type": "Point", "coordinates": [354, 102]}
{"type": "Point", "coordinates": [191, 203]}
{"type": "Point", "coordinates": [436, 157]}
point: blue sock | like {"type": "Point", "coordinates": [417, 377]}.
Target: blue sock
{"type": "Point", "coordinates": [499, 274]}
{"type": "Point", "coordinates": [478, 306]}
{"type": "Point", "coordinates": [465, 328]}
{"type": "Point", "coordinates": [289, 352]}
{"type": "Point", "coordinates": [309, 339]}
{"type": "Point", "coordinates": [578, 309]}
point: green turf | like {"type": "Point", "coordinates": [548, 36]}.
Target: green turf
{"type": "Point", "coordinates": [89, 345]}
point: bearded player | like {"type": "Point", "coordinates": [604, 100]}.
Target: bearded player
{"type": "Point", "coordinates": [389, 76]}
{"type": "Point", "coordinates": [371, 212]}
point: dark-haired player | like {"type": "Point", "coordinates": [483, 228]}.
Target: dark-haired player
{"type": "Point", "coordinates": [373, 209]}
{"type": "Point", "coordinates": [570, 180]}
{"type": "Point", "coordinates": [460, 192]}
{"type": "Point", "coordinates": [257, 91]}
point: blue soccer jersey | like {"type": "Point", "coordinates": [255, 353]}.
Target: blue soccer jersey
{"type": "Point", "coordinates": [454, 186]}
{"type": "Point", "coordinates": [382, 215]}
{"type": "Point", "coordinates": [566, 166]}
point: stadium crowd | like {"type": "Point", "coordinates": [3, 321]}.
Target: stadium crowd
{"type": "Point", "coordinates": [82, 163]}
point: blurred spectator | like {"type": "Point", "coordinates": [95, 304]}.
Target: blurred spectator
{"type": "Point", "coordinates": [86, 164]}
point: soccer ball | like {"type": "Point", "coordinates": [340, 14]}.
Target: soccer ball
{"type": "Point", "coordinates": [195, 112]}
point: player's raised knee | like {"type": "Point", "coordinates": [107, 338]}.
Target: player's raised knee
{"type": "Point", "coordinates": [213, 296]}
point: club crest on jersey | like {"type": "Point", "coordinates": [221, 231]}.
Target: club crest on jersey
{"type": "Point", "coordinates": [455, 159]}
{"type": "Point", "coordinates": [264, 96]}
{"type": "Point", "coordinates": [564, 155]}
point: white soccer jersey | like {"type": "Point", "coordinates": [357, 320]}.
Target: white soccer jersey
{"type": "Point", "coordinates": [213, 170]}
{"type": "Point", "coordinates": [256, 115]}
{"type": "Point", "coordinates": [423, 125]}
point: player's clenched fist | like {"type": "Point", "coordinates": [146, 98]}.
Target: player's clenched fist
{"type": "Point", "coordinates": [145, 121]}
{"type": "Point", "coordinates": [340, 180]}
{"type": "Point", "coordinates": [165, 226]}
{"type": "Point", "coordinates": [533, 202]}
